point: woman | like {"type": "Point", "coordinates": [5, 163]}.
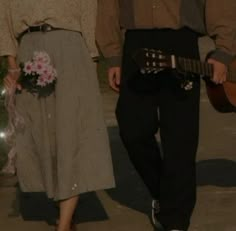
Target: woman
{"type": "Point", "coordinates": [63, 149]}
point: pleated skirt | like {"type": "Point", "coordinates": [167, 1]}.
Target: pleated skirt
{"type": "Point", "coordinates": [63, 149]}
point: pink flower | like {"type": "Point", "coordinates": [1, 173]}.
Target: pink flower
{"type": "Point", "coordinates": [42, 81]}
{"type": "Point", "coordinates": [48, 70]}
{"type": "Point", "coordinates": [40, 70]}
{"type": "Point", "coordinates": [28, 68]}
{"type": "Point", "coordinates": [54, 73]}
{"type": "Point", "coordinates": [39, 67]}
{"type": "Point", "coordinates": [41, 56]}
{"type": "Point", "coordinates": [50, 78]}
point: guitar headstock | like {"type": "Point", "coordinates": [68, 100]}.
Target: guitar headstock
{"type": "Point", "coordinates": [153, 61]}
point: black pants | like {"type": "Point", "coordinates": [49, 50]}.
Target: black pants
{"type": "Point", "coordinates": [149, 103]}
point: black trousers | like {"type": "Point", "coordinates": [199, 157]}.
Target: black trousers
{"type": "Point", "coordinates": [149, 103]}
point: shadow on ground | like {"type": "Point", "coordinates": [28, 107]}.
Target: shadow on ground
{"type": "Point", "coordinates": [37, 207]}
{"type": "Point", "coordinates": [217, 172]}
{"type": "Point", "coordinates": [131, 192]}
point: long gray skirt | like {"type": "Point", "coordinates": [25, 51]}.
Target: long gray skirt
{"type": "Point", "coordinates": [63, 149]}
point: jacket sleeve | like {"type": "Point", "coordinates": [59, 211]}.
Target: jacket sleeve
{"type": "Point", "coordinates": [88, 25]}
{"type": "Point", "coordinates": [8, 42]}
{"type": "Point", "coordinates": [221, 26]}
{"type": "Point", "coordinates": [108, 32]}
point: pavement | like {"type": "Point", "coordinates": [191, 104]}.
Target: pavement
{"type": "Point", "coordinates": [127, 206]}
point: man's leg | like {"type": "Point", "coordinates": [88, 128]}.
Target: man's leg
{"type": "Point", "coordinates": [138, 121]}
{"type": "Point", "coordinates": [138, 124]}
{"type": "Point", "coordinates": [179, 122]}
{"type": "Point", "coordinates": [137, 116]}
{"type": "Point", "coordinates": [179, 125]}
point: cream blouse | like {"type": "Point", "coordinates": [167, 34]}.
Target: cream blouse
{"type": "Point", "coordinates": [17, 15]}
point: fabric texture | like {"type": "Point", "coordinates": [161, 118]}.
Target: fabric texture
{"type": "Point", "coordinates": [75, 15]}
{"type": "Point", "coordinates": [63, 149]}
{"type": "Point", "coordinates": [149, 104]}
{"type": "Point", "coordinates": [215, 18]}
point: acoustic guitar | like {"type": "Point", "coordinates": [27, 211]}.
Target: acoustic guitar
{"type": "Point", "coordinates": [221, 96]}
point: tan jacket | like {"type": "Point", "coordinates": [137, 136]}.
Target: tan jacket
{"type": "Point", "coordinates": [216, 18]}
{"type": "Point", "coordinates": [76, 15]}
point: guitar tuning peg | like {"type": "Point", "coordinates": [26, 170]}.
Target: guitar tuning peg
{"type": "Point", "coordinates": [143, 71]}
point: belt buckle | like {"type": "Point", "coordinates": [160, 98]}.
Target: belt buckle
{"type": "Point", "coordinates": [45, 28]}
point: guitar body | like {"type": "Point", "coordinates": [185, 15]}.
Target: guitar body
{"type": "Point", "coordinates": [223, 96]}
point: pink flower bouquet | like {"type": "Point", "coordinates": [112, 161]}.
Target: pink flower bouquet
{"type": "Point", "coordinates": [38, 76]}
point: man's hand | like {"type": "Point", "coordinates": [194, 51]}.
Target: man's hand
{"type": "Point", "coordinates": [114, 75]}
{"type": "Point", "coordinates": [220, 71]}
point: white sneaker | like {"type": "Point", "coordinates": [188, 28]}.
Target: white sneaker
{"type": "Point", "coordinates": [176, 230]}
{"type": "Point", "coordinates": [155, 211]}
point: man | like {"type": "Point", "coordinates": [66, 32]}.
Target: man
{"type": "Point", "coordinates": [149, 103]}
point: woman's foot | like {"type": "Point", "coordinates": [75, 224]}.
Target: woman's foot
{"type": "Point", "coordinates": [72, 227]}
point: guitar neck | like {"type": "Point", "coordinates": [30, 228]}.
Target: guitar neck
{"type": "Point", "coordinates": [194, 66]}
{"type": "Point", "coordinates": [200, 68]}
{"type": "Point", "coordinates": [152, 60]}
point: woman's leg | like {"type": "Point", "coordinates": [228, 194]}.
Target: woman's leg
{"type": "Point", "coordinates": [67, 208]}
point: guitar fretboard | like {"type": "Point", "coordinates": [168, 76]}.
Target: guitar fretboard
{"type": "Point", "coordinates": [200, 68]}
